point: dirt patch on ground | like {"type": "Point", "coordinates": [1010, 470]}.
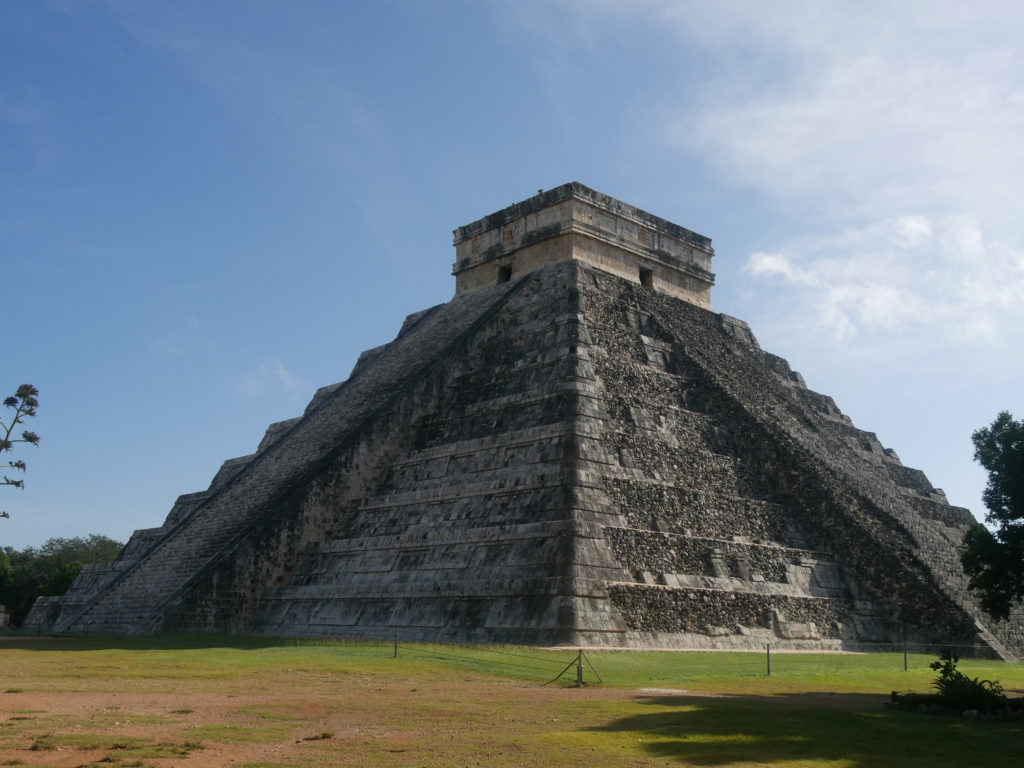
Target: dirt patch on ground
{"type": "Point", "coordinates": [166, 702]}
{"type": "Point", "coordinates": [351, 721]}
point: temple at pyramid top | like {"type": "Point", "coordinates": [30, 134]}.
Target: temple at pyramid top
{"type": "Point", "coordinates": [574, 222]}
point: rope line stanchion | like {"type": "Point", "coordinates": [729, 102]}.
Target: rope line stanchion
{"type": "Point", "coordinates": [592, 667]}
{"type": "Point", "coordinates": [578, 663]}
{"type": "Point", "coordinates": [567, 668]}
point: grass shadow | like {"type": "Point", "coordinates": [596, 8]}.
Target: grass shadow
{"type": "Point", "coordinates": [813, 729]}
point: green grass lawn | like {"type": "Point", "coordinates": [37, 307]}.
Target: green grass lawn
{"type": "Point", "coordinates": [174, 700]}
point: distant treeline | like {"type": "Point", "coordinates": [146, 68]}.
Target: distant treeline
{"type": "Point", "coordinates": [48, 570]}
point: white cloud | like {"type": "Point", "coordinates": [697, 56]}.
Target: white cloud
{"type": "Point", "coordinates": [903, 275]}
{"type": "Point", "coordinates": [858, 110]}
{"type": "Point", "coordinates": [768, 265]}
{"type": "Point", "coordinates": [913, 230]}
{"type": "Point", "coordinates": [272, 376]}
{"type": "Point", "coordinates": [888, 135]}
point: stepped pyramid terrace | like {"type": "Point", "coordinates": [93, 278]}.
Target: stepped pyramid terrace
{"type": "Point", "coordinates": [576, 449]}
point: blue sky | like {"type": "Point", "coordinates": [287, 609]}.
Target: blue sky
{"type": "Point", "coordinates": [207, 209]}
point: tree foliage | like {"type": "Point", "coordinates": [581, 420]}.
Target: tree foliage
{"type": "Point", "coordinates": [24, 402]}
{"type": "Point", "coordinates": [994, 560]}
{"type": "Point", "coordinates": [48, 570]}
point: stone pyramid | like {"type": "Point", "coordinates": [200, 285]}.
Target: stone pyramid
{"type": "Point", "coordinates": [574, 450]}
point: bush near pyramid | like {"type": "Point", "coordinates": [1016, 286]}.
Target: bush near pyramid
{"type": "Point", "coordinates": [574, 450]}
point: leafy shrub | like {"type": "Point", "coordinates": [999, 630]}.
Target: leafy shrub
{"type": "Point", "coordinates": [962, 692]}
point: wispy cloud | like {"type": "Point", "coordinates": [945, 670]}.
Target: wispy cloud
{"type": "Point", "coordinates": [891, 133]}
{"type": "Point", "coordinates": [904, 274]}
{"type": "Point", "coordinates": [272, 377]}
{"type": "Point", "coordinates": [181, 335]}
{"type": "Point", "coordinates": [848, 109]}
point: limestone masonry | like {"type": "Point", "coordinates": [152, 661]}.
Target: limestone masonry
{"type": "Point", "coordinates": [575, 222]}
{"type": "Point", "coordinates": [573, 450]}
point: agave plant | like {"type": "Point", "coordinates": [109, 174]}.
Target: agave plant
{"type": "Point", "coordinates": [962, 692]}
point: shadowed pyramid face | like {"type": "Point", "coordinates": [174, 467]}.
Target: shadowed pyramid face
{"type": "Point", "coordinates": [564, 455]}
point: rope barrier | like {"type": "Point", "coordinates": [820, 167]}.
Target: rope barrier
{"type": "Point", "coordinates": [467, 658]}
{"type": "Point", "coordinates": [546, 662]}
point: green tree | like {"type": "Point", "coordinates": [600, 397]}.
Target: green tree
{"type": "Point", "coordinates": [48, 570]}
{"type": "Point", "coordinates": [994, 560]}
{"type": "Point", "coordinates": [24, 402]}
